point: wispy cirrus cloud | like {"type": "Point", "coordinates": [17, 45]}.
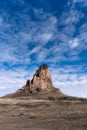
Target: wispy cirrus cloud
{"type": "Point", "coordinates": [82, 2]}
{"type": "Point", "coordinates": [24, 38]}
{"type": "Point", "coordinates": [74, 43]}
{"type": "Point", "coordinates": [39, 33]}
{"type": "Point", "coordinates": [12, 80]}
{"type": "Point", "coordinates": [31, 35]}
{"type": "Point", "coordinates": [70, 80]}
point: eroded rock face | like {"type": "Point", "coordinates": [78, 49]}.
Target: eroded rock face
{"type": "Point", "coordinates": [41, 81]}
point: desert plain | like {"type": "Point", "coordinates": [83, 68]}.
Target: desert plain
{"type": "Point", "coordinates": [40, 112]}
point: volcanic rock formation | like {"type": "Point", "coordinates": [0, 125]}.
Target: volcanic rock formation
{"type": "Point", "coordinates": [40, 86]}
{"type": "Point", "coordinates": [41, 81]}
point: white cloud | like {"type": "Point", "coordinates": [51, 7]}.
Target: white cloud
{"type": "Point", "coordinates": [74, 43]}
{"type": "Point", "coordinates": [71, 17]}
{"type": "Point", "coordinates": [21, 37]}
{"type": "Point", "coordinates": [38, 34]}
{"type": "Point", "coordinates": [12, 80]}
{"type": "Point", "coordinates": [45, 37]}
{"type": "Point", "coordinates": [82, 2]}
{"type": "Point", "coordinates": [16, 39]}
{"type": "Point", "coordinates": [74, 84]}
{"type": "Point", "coordinates": [1, 21]}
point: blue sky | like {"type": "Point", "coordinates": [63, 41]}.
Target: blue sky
{"type": "Point", "coordinates": [33, 32]}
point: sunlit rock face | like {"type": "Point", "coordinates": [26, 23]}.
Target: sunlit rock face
{"type": "Point", "coordinates": [41, 81]}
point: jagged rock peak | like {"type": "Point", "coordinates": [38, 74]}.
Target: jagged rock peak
{"type": "Point", "coordinates": [42, 78]}
{"type": "Point", "coordinates": [41, 81]}
{"type": "Point", "coordinates": [43, 66]}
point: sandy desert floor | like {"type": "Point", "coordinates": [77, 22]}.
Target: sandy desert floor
{"type": "Point", "coordinates": [25, 113]}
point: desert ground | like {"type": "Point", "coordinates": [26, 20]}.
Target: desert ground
{"type": "Point", "coordinates": [35, 113]}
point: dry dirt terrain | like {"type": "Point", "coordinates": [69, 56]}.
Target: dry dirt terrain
{"type": "Point", "coordinates": [35, 113]}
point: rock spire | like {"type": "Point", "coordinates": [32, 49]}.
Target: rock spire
{"type": "Point", "coordinates": [41, 81]}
